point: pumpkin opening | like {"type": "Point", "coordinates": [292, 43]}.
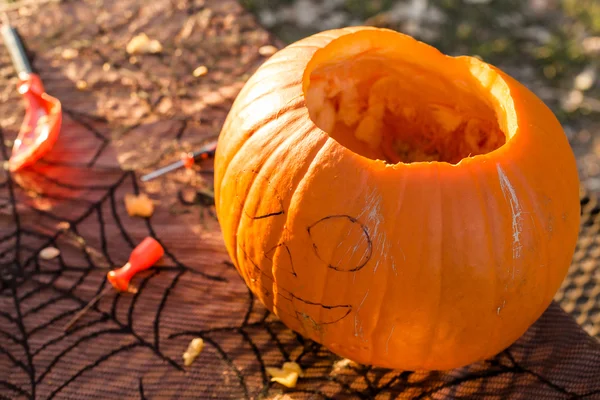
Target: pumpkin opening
{"type": "Point", "coordinates": [389, 105]}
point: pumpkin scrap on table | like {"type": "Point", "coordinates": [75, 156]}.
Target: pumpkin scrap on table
{"type": "Point", "coordinates": [193, 350]}
{"type": "Point", "coordinates": [139, 205]}
{"type": "Point", "coordinates": [287, 375]}
{"type": "Point", "coordinates": [49, 253]}
{"type": "Point", "coordinates": [402, 207]}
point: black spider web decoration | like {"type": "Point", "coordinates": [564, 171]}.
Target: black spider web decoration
{"type": "Point", "coordinates": [130, 345]}
{"type": "Point", "coordinates": [24, 278]}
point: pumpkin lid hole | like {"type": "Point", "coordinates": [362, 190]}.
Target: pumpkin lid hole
{"type": "Point", "coordinates": [402, 112]}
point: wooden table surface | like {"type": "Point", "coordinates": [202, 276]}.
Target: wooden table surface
{"type": "Point", "coordinates": [125, 115]}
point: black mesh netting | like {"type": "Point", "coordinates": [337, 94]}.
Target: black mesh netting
{"type": "Point", "coordinates": [124, 115]}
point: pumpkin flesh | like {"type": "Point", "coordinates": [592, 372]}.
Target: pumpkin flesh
{"type": "Point", "coordinates": [405, 243]}
{"type": "Point", "coordinates": [392, 110]}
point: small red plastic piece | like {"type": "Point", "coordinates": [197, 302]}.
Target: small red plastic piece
{"type": "Point", "coordinates": [188, 160]}
{"type": "Point", "coordinates": [145, 255]}
{"type": "Point", "coordinates": [208, 150]}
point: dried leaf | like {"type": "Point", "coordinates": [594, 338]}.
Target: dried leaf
{"type": "Point", "coordinates": [142, 44]}
{"type": "Point", "coordinates": [81, 85]}
{"type": "Point", "coordinates": [69, 54]}
{"type": "Point", "coordinates": [63, 226]}
{"type": "Point", "coordinates": [267, 51]}
{"type": "Point", "coordinates": [200, 71]}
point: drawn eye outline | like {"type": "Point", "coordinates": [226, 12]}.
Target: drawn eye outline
{"type": "Point", "coordinates": [368, 252]}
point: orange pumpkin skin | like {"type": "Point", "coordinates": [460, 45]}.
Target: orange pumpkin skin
{"type": "Point", "coordinates": [408, 265]}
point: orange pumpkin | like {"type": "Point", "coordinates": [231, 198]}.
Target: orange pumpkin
{"type": "Point", "coordinates": [404, 208]}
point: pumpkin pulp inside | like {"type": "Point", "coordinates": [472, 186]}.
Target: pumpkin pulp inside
{"type": "Point", "coordinates": [400, 111]}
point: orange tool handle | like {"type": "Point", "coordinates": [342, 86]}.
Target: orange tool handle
{"type": "Point", "coordinates": [145, 255]}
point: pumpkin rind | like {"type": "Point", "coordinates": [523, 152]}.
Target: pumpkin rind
{"type": "Point", "coordinates": [425, 265]}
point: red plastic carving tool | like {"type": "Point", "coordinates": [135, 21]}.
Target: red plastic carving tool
{"type": "Point", "coordinates": [145, 255]}
{"type": "Point", "coordinates": [43, 116]}
{"type": "Point", "coordinates": [187, 161]}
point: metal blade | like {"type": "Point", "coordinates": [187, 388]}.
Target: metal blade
{"type": "Point", "coordinates": [87, 307]}
{"type": "Point", "coordinates": [162, 171]}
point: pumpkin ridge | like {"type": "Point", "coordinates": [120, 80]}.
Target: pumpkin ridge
{"type": "Point", "coordinates": [431, 341]}
{"type": "Point", "coordinates": [260, 272]}
{"type": "Point", "coordinates": [389, 279]}
{"type": "Point", "coordinates": [266, 76]}
{"type": "Point", "coordinates": [281, 148]}
{"type": "Point", "coordinates": [299, 102]}
{"type": "Point", "coordinates": [397, 213]}
{"type": "Point", "coordinates": [558, 177]}
{"type": "Point", "coordinates": [318, 149]}
{"type": "Point", "coordinates": [331, 271]}
{"type": "Point", "coordinates": [376, 329]}
{"type": "Point", "coordinates": [276, 62]}
{"type": "Point", "coordinates": [273, 117]}
{"type": "Point", "coordinates": [380, 249]}
{"type": "Point", "coordinates": [325, 35]}
{"type": "Point", "coordinates": [243, 205]}
{"type": "Point", "coordinates": [249, 132]}
{"type": "Point", "coordinates": [261, 96]}
{"type": "Point", "coordinates": [257, 169]}
{"type": "Point", "coordinates": [542, 234]}
{"type": "Point", "coordinates": [495, 203]}
{"type": "Point", "coordinates": [247, 135]}
{"type": "Point", "coordinates": [507, 291]}
{"type": "Point", "coordinates": [517, 262]}
{"type": "Point", "coordinates": [484, 204]}
{"type": "Point", "coordinates": [303, 46]}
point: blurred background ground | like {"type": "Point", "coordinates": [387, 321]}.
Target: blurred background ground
{"type": "Point", "coordinates": [551, 46]}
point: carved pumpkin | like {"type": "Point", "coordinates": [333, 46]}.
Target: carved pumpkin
{"type": "Point", "coordinates": [404, 208]}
